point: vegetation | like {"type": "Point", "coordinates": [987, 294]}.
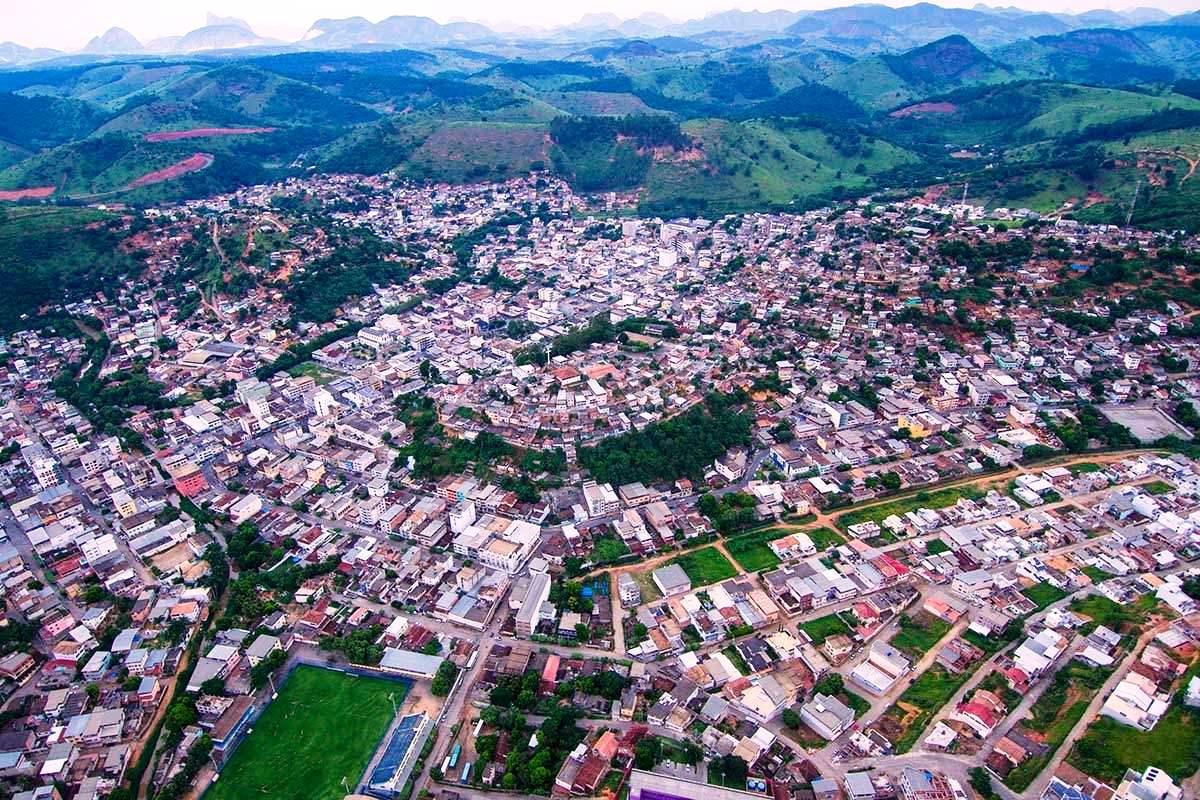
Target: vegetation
{"type": "Point", "coordinates": [939, 498]}
{"type": "Point", "coordinates": [728, 771]}
{"type": "Point", "coordinates": [730, 513]}
{"type": "Point", "coordinates": [444, 679]}
{"type": "Point", "coordinates": [699, 129]}
{"type": "Point", "coordinates": [705, 565]}
{"type": "Point", "coordinates": [263, 669]}
{"type": "Point", "coordinates": [56, 255]}
{"type": "Point", "coordinates": [1043, 595]}
{"type": "Point", "coordinates": [1124, 619]}
{"type": "Point", "coordinates": [681, 446]}
{"type": "Point", "coordinates": [822, 628]}
{"type": "Point", "coordinates": [751, 551]}
{"type": "Point", "coordinates": [1108, 748]}
{"type": "Point", "coordinates": [833, 685]}
{"type": "Point", "coordinates": [358, 646]}
{"type": "Point", "coordinates": [918, 635]}
{"type": "Point", "coordinates": [298, 354]}
{"type": "Point", "coordinates": [1055, 713]}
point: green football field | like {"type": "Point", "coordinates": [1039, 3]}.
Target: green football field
{"type": "Point", "coordinates": [324, 726]}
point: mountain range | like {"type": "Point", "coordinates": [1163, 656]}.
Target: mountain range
{"type": "Point", "coordinates": [775, 110]}
{"type": "Point", "coordinates": [857, 28]}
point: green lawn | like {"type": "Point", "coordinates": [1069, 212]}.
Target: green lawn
{"type": "Point", "coordinates": [1108, 748]}
{"type": "Point", "coordinates": [935, 546]}
{"type": "Point", "coordinates": [313, 370]}
{"type": "Point", "coordinates": [1043, 594]}
{"type": "Point", "coordinates": [1158, 487]}
{"type": "Point", "coordinates": [825, 538]}
{"type": "Point", "coordinates": [706, 565]}
{"type": "Point", "coordinates": [928, 693]}
{"type": "Point", "coordinates": [1085, 467]}
{"type": "Point", "coordinates": [940, 498]}
{"type": "Point", "coordinates": [1096, 574]}
{"type": "Point", "coordinates": [751, 550]}
{"type": "Point", "coordinates": [733, 655]}
{"type": "Point", "coordinates": [324, 726]}
{"type": "Point", "coordinates": [919, 634]}
{"type": "Point", "coordinates": [822, 628]}
{"type": "Point", "coordinates": [1054, 714]}
{"type": "Point", "coordinates": [1123, 619]}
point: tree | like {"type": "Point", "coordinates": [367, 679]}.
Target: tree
{"type": "Point", "coordinates": [791, 718]}
{"type": "Point", "coordinates": [213, 686]}
{"type": "Point", "coordinates": [831, 685]}
{"type": "Point", "coordinates": [443, 681]}
{"type": "Point", "coordinates": [734, 769]}
{"type": "Point", "coordinates": [981, 782]}
{"type": "Point", "coordinates": [180, 714]}
{"type": "Point", "coordinates": [263, 669]}
{"type": "Point", "coordinates": [647, 752]}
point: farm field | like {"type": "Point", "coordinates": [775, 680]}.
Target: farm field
{"type": "Point", "coordinates": [202, 133]}
{"type": "Point", "coordinates": [193, 163]}
{"type": "Point", "coordinates": [324, 726]}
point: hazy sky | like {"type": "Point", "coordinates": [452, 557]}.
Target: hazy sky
{"type": "Point", "coordinates": [68, 24]}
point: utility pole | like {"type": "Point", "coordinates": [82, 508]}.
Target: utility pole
{"type": "Point", "coordinates": [547, 354]}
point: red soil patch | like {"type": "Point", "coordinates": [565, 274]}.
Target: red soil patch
{"type": "Point", "coordinates": [924, 108]}
{"type": "Point", "coordinates": [193, 163]}
{"type": "Point", "coordinates": [200, 133]}
{"type": "Point", "coordinates": [37, 193]}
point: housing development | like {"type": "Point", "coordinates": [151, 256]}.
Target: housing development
{"type": "Point", "coordinates": [368, 487]}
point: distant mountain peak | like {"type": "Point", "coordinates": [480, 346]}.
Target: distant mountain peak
{"type": "Point", "coordinates": [215, 20]}
{"type": "Point", "coordinates": [114, 41]}
{"type": "Point", "coordinates": [395, 30]}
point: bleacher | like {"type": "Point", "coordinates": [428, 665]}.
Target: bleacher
{"type": "Point", "coordinates": [393, 767]}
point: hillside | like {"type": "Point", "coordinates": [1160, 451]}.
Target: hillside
{"type": "Point", "coordinates": [842, 102]}
{"type": "Point", "coordinates": [50, 255]}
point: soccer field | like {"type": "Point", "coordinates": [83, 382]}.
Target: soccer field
{"type": "Point", "coordinates": [324, 726]}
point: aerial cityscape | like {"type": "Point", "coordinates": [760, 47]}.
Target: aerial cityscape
{"type": "Point", "coordinates": [789, 405]}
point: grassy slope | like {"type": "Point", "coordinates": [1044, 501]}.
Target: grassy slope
{"type": "Point", "coordinates": [1068, 109]}
{"type": "Point", "coordinates": [757, 161]}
